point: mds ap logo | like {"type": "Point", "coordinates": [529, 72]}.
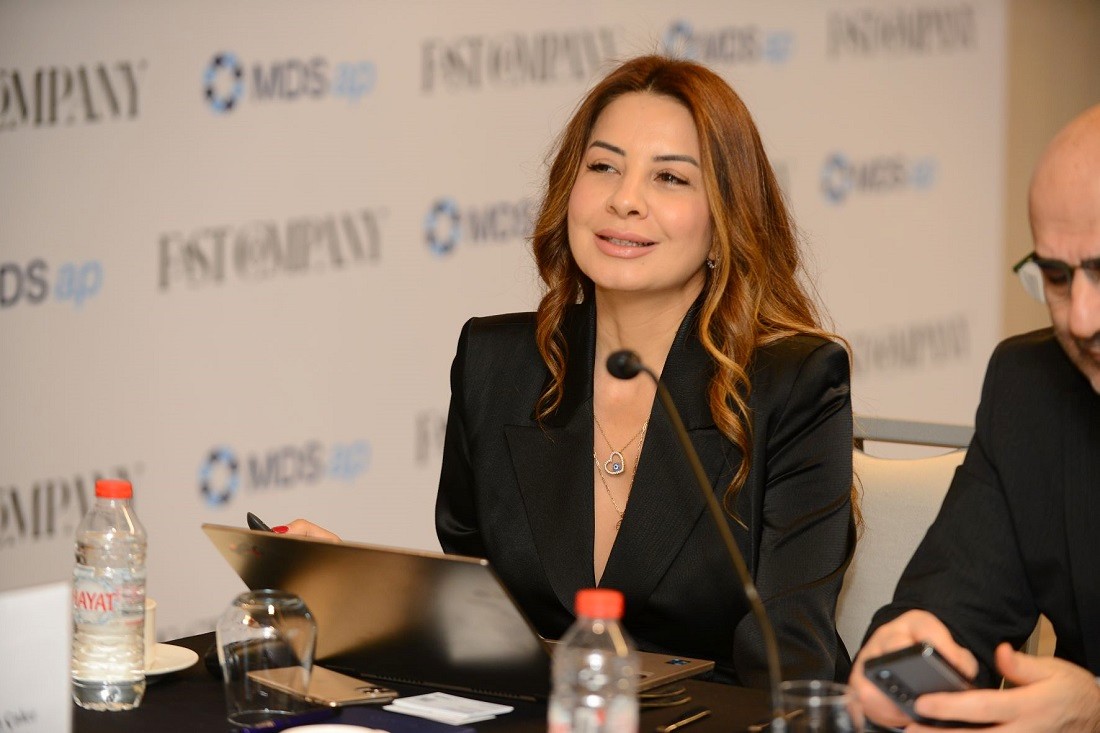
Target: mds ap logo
{"type": "Point", "coordinates": [32, 283]}
{"type": "Point", "coordinates": [447, 224]}
{"type": "Point", "coordinates": [732, 44]}
{"type": "Point", "coordinates": [224, 473]}
{"type": "Point", "coordinates": [223, 82]}
{"type": "Point", "coordinates": [842, 176]}
{"type": "Point", "coordinates": [227, 80]}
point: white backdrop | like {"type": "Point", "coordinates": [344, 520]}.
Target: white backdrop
{"type": "Point", "coordinates": [238, 241]}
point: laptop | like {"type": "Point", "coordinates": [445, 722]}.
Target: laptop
{"type": "Point", "coordinates": [413, 616]}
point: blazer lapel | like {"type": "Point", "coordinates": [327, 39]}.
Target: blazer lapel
{"type": "Point", "coordinates": [665, 504]}
{"type": "Point", "coordinates": [553, 466]}
{"type": "Point", "coordinates": [1082, 470]}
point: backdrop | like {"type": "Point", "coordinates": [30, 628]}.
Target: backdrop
{"type": "Point", "coordinates": [238, 240]}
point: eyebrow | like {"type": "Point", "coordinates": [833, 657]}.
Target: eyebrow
{"type": "Point", "coordinates": [657, 158]}
{"type": "Point", "coordinates": [1086, 262]}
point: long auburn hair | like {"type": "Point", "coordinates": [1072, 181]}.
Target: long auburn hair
{"type": "Point", "coordinates": [752, 296]}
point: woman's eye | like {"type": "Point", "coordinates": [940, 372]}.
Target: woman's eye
{"type": "Point", "coordinates": [600, 167]}
{"type": "Point", "coordinates": [668, 177]}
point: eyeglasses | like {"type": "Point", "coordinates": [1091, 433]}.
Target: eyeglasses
{"type": "Point", "coordinates": [1050, 280]}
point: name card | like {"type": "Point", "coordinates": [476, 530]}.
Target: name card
{"type": "Point", "coordinates": [35, 646]}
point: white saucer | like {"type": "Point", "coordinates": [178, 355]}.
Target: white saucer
{"type": "Point", "coordinates": [334, 728]}
{"type": "Point", "coordinates": [170, 658]}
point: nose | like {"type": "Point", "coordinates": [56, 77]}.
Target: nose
{"type": "Point", "coordinates": [627, 198]}
{"type": "Point", "coordinates": [1084, 307]}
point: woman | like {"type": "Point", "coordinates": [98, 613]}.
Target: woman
{"type": "Point", "coordinates": [662, 230]}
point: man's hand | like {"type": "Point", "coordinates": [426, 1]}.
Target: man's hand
{"type": "Point", "coordinates": [304, 528]}
{"type": "Point", "coordinates": [906, 630]}
{"type": "Point", "coordinates": [1051, 695]}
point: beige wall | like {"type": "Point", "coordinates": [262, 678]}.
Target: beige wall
{"type": "Point", "coordinates": [1053, 73]}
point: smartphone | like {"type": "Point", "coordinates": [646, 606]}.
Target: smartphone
{"type": "Point", "coordinates": [256, 523]}
{"type": "Point", "coordinates": [325, 686]}
{"type": "Point", "coordinates": [906, 674]}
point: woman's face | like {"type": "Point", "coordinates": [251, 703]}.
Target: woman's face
{"type": "Point", "coordinates": [638, 214]}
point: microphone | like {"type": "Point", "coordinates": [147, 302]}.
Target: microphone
{"type": "Point", "coordinates": [625, 364]}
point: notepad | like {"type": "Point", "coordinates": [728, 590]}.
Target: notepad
{"type": "Point", "coordinates": [446, 708]}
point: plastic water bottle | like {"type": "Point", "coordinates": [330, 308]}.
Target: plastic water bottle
{"type": "Point", "coordinates": [109, 602]}
{"type": "Point", "coordinates": [595, 670]}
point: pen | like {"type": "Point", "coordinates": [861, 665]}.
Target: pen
{"type": "Point", "coordinates": [289, 721]}
{"type": "Point", "coordinates": [687, 718]}
{"type": "Point", "coordinates": [256, 523]}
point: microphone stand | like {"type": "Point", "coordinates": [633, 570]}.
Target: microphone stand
{"type": "Point", "coordinates": [626, 365]}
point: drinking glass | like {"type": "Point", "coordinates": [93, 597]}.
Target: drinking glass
{"type": "Point", "coordinates": [265, 642]}
{"type": "Point", "coordinates": [818, 706]}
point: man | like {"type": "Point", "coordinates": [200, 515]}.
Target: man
{"type": "Point", "coordinates": [1019, 531]}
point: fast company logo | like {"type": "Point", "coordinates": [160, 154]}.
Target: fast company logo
{"type": "Point", "coordinates": [30, 283]}
{"type": "Point", "coordinates": [227, 81]}
{"type": "Point", "coordinates": [224, 473]}
{"type": "Point", "coordinates": [84, 94]}
{"type": "Point", "coordinates": [512, 60]}
{"type": "Point", "coordinates": [266, 249]}
{"type": "Point", "coordinates": [729, 44]}
{"type": "Point", "coordinates": [918, 30]}
{"type": "Point", "coordinates": [447, 224]}
{"type": "Point", "coordinates": [51, 508]}
{"type": "Point", "coordinates": [842, 177]}
{"type": "Point", "coordinates": [913, 346]}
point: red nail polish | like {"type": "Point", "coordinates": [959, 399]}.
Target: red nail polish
{"type": "Point", "coordinates": [281, 529]}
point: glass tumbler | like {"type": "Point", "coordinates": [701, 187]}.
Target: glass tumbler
{"type": "Point", "coordinates": [818, 706]}
{"type": "Point", "coordinates": [265, 642]}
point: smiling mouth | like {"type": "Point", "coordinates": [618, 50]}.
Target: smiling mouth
{"type": "Point", "coordinates": [626, 242]}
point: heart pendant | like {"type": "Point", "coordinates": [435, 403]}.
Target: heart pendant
{"type": "Point", "coordinates": [615, 465]}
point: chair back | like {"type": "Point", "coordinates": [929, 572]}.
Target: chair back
{"type": "Point", "coordinates": [900, 498]}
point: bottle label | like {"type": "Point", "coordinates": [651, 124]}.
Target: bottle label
{"type": "Point", "coordinates": [100, 600]}
{"type": "Point", "coordinates": [620, 716]}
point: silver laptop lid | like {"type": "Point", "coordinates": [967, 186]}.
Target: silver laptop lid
{"type": "Point", "coordinates": [415, 616]}
{"type": "Point", "coordinates": [402, 615]}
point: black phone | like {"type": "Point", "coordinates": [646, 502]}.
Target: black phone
{"type": "Point", "coordinates": [906, 674]}
{"type": "Point", "coordinates": [256, 523]}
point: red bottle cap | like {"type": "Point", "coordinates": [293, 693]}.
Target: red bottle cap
{"type": "Point", "coordinates": [113, 488]}
{"type": "Point", "coordinates": [599, 603]}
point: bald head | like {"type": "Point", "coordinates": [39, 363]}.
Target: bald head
{"type": "Point", "coordinates": [1069, 170]}
{"type": "Point", "coordinates": [1064, 206]}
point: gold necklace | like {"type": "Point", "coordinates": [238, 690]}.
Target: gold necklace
{"type": "Point", "coordinates": [614, 504]}
{"type": "Point", "coordinates": [611, 466]}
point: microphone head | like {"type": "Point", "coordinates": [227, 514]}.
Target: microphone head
{"type": "Point", "coordinates": [624, 364]}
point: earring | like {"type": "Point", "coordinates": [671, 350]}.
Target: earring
{"type": "Point", "coordinates": [712, 262]}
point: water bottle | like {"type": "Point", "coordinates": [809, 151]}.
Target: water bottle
{"type": "Point", "coordinates": [109, 602]}
{"type": "Point", "coordinates": [595, 670]}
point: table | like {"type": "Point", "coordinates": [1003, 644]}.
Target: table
{"type": "Point", "coordinates": [193, 701]}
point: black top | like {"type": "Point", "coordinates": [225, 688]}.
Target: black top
{"type": "Point", "coordinates": [520, 494]}
{"type": "Point", "coordinates": [1019, 530]}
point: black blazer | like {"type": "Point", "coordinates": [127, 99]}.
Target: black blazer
{"type": "Point", "coordinates": [1019, 530]}
{"type": "Point", "coordinates": [521, 494]}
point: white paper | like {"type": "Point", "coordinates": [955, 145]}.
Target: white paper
{"type": "Point", "coordinates": [36, 646]}
{"type": "Point", "coordinates": [447, 708]}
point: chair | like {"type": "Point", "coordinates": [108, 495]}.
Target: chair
{"type": "Point", "coordinates": [901, 497]}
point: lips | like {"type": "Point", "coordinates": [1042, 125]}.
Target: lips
{"type": "Point", "coordinates": [622, 242]}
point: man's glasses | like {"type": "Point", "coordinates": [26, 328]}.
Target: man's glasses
{"type": "Point", "coordinates": [1051, 280]}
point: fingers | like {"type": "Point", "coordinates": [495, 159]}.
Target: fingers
{"type": "Point", "coordinates": [918, 626]}
{"type": "Point", "coordinates": [1019, 668]}
{"type": "Point", "coordinates": [876, 705]}
{"type": "Point", "coordinates": [304, 528]}
{"type": "Point", "coordinates": [978, 706]}
{"type": "Point", "coordinates": [908, 629]}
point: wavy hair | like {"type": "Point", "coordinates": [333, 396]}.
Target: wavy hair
{"type": "Point", "coordinates": [753, 295]}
